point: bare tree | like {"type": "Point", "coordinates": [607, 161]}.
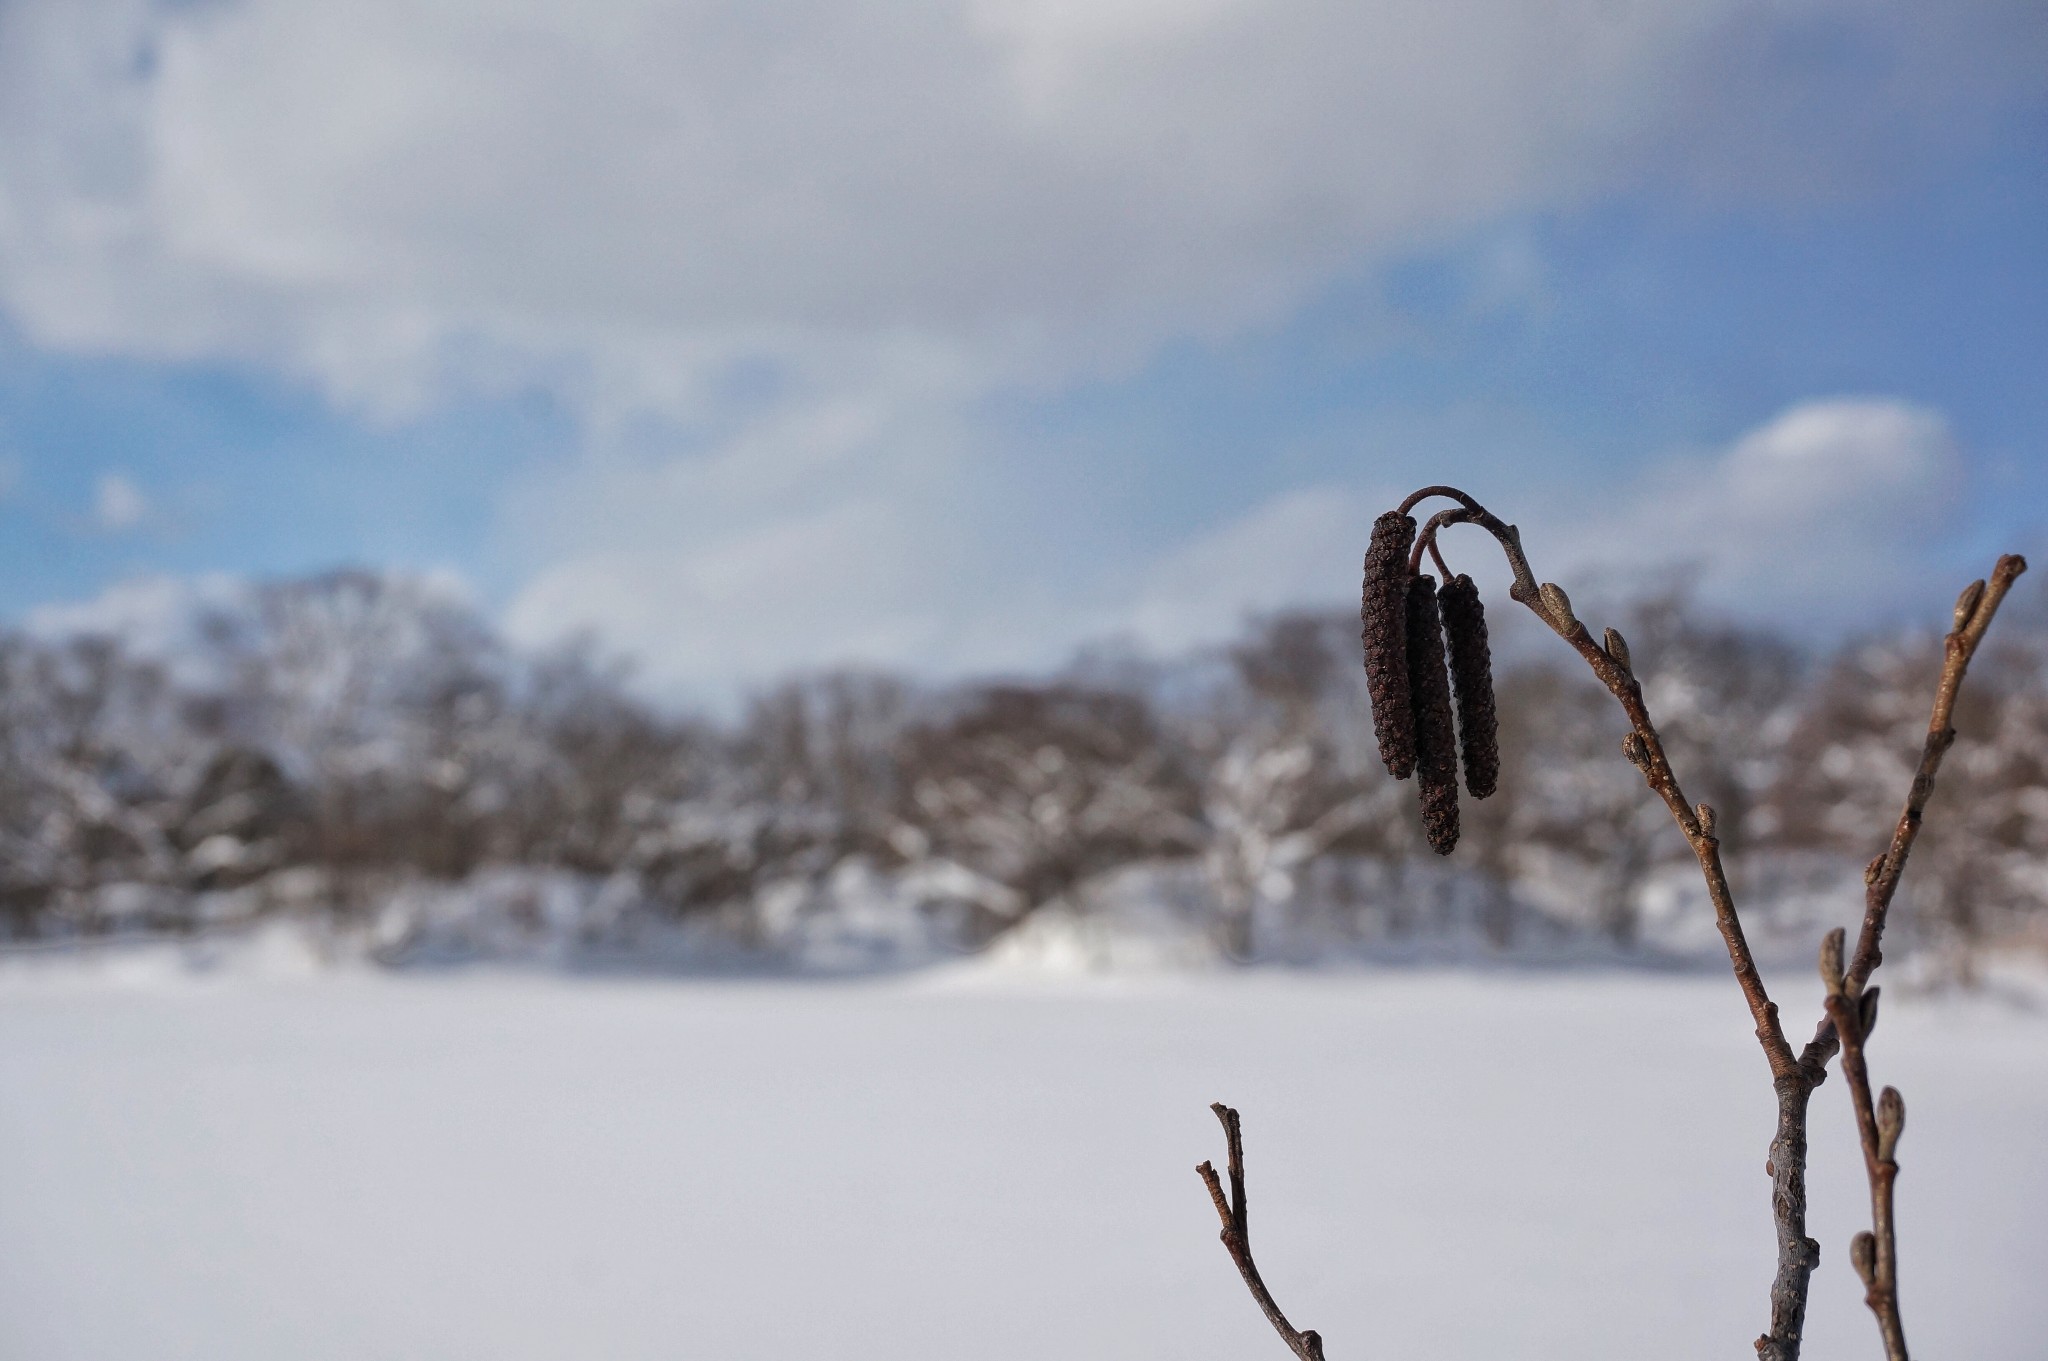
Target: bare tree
{"type": "Point", "coordinates": [1283, 787]}
{"type": "Point", "coordinates": [1038, 790]}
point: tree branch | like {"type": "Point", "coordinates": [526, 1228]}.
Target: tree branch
{"type": "Point", "coordinates": [1975, 609]}
{"type": "Point", "coordinates": [1793, 1076]}
{"type": "Point", "coordinates": [1875, 1254]}
{"type": "Point", "coordinates": [1307, 1345]}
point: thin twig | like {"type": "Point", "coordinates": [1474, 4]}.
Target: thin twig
{"type": "Point", "coordinates": [1644, 749]}
{"type": "Point", "coordinates": [1975, 609]}
{"type": "Point", "coordinates": [1237, 1238]}
{"type": "Point", "coordinates": [1874, 1254]}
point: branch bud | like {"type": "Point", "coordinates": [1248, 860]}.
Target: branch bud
{"type": "Point", "coordinates": [1559, 605]}
{"type": "Point", "coordinates": [1831, 960]}
{"type": "Point", "coordinates": [1874, 870]}
{"type": "Point", "coordinates": [1891, 1122]}
{"type": "Point", "coordinates": [1863, 1256]}
{"type": "Point", "coordinates": [1867, 1011]}
{"type": "Point", "coordinates": [1705, 813]}
{"type": "Point", "coordinates": [1617, 648]}
{"type": "Point", "coordinates": [1966, 604]}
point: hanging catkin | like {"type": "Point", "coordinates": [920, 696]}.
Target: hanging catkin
{"type": "Point", "coordinates": [1436, 744]}
{"type": "Point", "coordinates": [1383, 617]}
{"type": "Point", "coordinates": [1472, 681]}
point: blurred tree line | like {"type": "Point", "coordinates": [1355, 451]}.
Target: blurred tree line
{"type": "Point", "coordinates": [325, 747]}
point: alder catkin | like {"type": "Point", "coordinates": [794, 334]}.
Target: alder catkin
{"type": "Point", "coordinates": [1472, 681]}
{"type": "Point", "coordinates": [1436, 742]}
{"type": "Point", "coordinates": [1383, 616]}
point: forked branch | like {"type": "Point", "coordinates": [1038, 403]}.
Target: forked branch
{"type": "Point", "coordinates": [1237, 1238]}
{"type": "Point", "coordinates": [1975, 609]}
{"type": "Point", "coordinates": [1794, 1076]}
{"type": "Point", "coordinates": [1398, 664]}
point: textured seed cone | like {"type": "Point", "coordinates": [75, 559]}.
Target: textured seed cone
{"type": "Point", "coordinates": [1472, 681]}
{"type": "Point", "coordinates": [1436, 743]}
{"type": "Point", "coordinates": [1383, 617]}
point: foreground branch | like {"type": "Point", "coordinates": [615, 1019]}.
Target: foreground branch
{"type": "Point", "coordinates": [1875, 1253]}
{"type": "Point", "coordinates": [1793, 1075]}
{"type": "Point", "coordinates": [1391, 577]}
{"type": "Point", "coordinates": [1975, 609]}
{"type": "Point", "coordinates": [1237, 1238]}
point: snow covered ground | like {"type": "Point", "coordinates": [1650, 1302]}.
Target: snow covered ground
{"type": "Point", "coordinates": [968, 1163]}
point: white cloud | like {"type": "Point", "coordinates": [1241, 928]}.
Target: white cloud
{"type": "Point", "coordinates": [621, 199]}
{"type": "Point", "coordinates": [725, 569]}
{"type": "Point", "coordinates": [118, 505]}
{"type": "Point", "coordinates": [1835, 509]}
{"type": "Point", "coordinates": [807, 239]}
{"type": "Point", "coordinates": [1302, 547]}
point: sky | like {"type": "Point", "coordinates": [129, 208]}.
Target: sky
{"type": "Point", "coordinates": [952, 335]}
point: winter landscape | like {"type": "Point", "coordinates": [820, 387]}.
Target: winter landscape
{"type": "Point", "coordinates": [241, 1165]}
{"type": "Point", "coordinates": [682, 678]}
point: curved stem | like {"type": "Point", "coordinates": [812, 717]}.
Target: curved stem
{"type": "Point", "coordinates": [1442, 567]}
{"type": "Point", "coordinates": [1452, 492]}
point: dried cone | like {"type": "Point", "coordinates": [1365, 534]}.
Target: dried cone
{"type": "Point", "coordinates": [1472, 681]}
{"type": "Point", "coordinates": [1436, 744]}
{"type": "Point", "coordinates": [1384, 619]}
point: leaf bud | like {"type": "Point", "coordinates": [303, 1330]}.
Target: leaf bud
{"type": "Point", "coordinates": [1617, 648]}
{"type": "Point", "coordinates": [1891, 1122]}
{"type": "Point", "coordinates": [1559, 606]}
{"type": "Point", "coordinates": [1966, 604]}
{"type": "Point", "coordinates": [1863, 1256]}
{"type": "Point", "coordinates": [1831, 960]}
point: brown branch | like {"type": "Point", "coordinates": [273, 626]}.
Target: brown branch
{"type": "Point", "coordinates": [1875, 1254]}
{"type": "Point", "coordinates": [1237, 1238]}
{"type": "Point", "coordinates": [1644, 749]}
{"type": "Point", "coordinates": [1793, 1076]}
{"type": "Point", "coordinates": [1975, 609]}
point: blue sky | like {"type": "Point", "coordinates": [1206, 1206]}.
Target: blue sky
{"type": "Point", "coordinates": [1041, 324]}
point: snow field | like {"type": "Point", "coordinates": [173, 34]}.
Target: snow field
{"type": "Point", "coordinates": [505, 1167]}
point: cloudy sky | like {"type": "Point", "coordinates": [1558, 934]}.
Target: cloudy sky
{"type": "Point", "coordinates": [949, 334]}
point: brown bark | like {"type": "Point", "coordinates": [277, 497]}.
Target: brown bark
{"type": "Point", "coordinates": [1237, 1238]}
{"type": "Point", "coordinates": [1875, 1254]}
